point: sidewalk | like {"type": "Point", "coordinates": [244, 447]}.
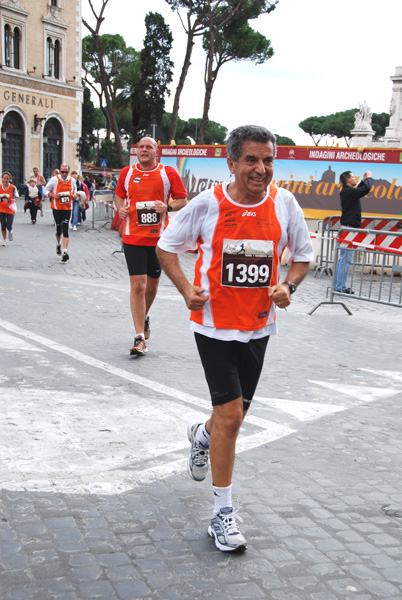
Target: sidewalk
{"type": "Point", "coordinates": [96, 501]}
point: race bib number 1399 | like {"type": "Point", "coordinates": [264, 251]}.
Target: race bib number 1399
{"type": "Point", "coordinates": [247, 263]}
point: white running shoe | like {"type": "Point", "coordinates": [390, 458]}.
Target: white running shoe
{"type": "Point", "coordinates": [197, 462]}
{"type": "Point", "coordinates": [225, 530]}
{"type": "Point", "coordinates": [4, 243]}
{"type": "Point", "coordinates": [10, 235]}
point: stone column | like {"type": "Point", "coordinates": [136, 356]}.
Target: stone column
{"type": "Point", "coordinates": [393, 133]}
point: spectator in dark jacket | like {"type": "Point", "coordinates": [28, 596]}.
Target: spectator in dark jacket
{"type": "Point", "coordinates": [351, 217]}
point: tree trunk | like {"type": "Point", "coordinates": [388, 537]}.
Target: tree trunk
{"type": "Point", "coordinates": [179, 89]}
{"type": "Point", "coordinates": [111, 114]}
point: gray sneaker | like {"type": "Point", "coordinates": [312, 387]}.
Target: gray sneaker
{"type": "Point", "coordinates": [225, 530]}
{"type": "Point", "coordinates": [197, 463]}
{"type": "Point", "coordinates": [10, 235]}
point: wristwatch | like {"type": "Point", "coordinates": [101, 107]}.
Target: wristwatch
{"type": "Point", "coordinates": [169, 208]}
{"type": "Point", "coordinates": [292, 287]}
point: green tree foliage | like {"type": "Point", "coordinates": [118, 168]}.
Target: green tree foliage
{"type": "Point", "coordinates": [130, 98]}
{"type": "Point", "coordinates": [379, 122]}
{"type": "Point", "coordinates": [156, 68]}
{"type": "Point", "coordinates": [88, 138]}
{"type": "Point", "coordinates": [236, 41]}
{"type": "Point", "coordinates": [96, 65]}
{"type": "Point", "coordinates": [200, 17]}
{"type": "Point", "coordinates": [340, 125]}
{"type": "Point", "coordinates": [282, 140]}
{"type": "Point", "coordinates": [187, 131]}
{"type": "Point", "coordinates": [315, 127]}
{"type": "Point", "coordinates": [108, 151]}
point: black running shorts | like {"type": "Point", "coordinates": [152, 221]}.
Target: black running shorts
{"type": "Point", "coordinates": [232, 369]}
{"type": "Point", "coordinates": [142, 260]}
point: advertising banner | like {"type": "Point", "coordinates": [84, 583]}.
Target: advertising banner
{"type": "Point", "coordinates": [311, 173]}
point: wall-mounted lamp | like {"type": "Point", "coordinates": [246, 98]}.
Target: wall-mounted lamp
{"type": "Point", "coordinates": [33, 70]}
{"type": "Point", "coordinates": [38, 121]}
{"type": "Point", "coordinates": [71, 80]}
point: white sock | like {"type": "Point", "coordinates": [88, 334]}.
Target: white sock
{"type": "Point", "coordinates": [141, 335]}
{"type": "Point", "coordinates": [222, 498]}
{"type": "Point", "coordinates": [202, 436]}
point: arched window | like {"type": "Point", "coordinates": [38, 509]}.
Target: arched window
{"type": "Point", "coordinates": [7, 45]}
{"type": "Point", "coordinates": [16, 48]}
{"type": "Point", "coordinates": [56, 61]}
{"type": "Point", "coordinates": [49, 56]}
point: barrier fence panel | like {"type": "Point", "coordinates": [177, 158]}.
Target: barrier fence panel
{"type": "Point", "coordinates": [103, 207]}
{"type": "Point", "coordinates": [328, 230]}
{"type": "Point", "coordinates": [375, 272]}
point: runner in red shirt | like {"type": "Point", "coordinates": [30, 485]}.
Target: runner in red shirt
{"type": "Point", "coordinates": [146, 192]}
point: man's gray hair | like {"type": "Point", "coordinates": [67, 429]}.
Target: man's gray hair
{"type": "Point", "coordinates": [255, 133]}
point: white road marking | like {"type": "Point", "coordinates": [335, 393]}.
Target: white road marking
{"type": "Point", "coordinates": [10, 342]}
{"type": "Point", "coordinates": [361, 394]}
{"type": "Point", "coordinates": [299, 409]}
{"type": "Point", "coordinates": [66, 441]}
{"type": "Point", "coordinates": [386, 374]}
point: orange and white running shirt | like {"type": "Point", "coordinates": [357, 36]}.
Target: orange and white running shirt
{"type": "Point", "coordinates": [239, 250]}
{"type": "Point", "coordinates": [6, 198]}
{"type": "Point", "coordinates": [144, 225]}
{"type": "Point", "coordinates": [56, 185]}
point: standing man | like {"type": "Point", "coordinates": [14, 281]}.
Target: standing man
{"type": "Point", "coordinates": [62, 190]}
{"type": "Point", "coordinates": [351, 217]}
{"type": "Point", "coordinates": [142, 199]}
{"type": "Point", "coordinates": [241, 229]}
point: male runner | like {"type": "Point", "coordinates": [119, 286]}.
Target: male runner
{"type": "Point", "coordinates": [62, 190]}
{"type": "Point", "coordinates": [240, 229]}
{"type": "Point", "coordinates": [142, 198]}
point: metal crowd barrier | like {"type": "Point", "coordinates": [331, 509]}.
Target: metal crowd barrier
{"type": "Point", "coordinates": [375, 274]}
{"type": "Point", "coordinates": [103, 207]}
{"type": "Point", "coordinates": [328, 230]}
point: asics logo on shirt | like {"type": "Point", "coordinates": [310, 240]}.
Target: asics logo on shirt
{"type": "Point", "coordinates": [248, 213]}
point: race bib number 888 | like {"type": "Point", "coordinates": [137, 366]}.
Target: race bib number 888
{"type": "Point", "coordinates": [146, 214]}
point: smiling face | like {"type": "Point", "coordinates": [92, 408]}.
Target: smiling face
{"type": "Point", "coordinates": [253, 172]}
{"type": "Point", "coordinates": [146, 153]}
{"type": "Point", "coordinates": [5, 180]}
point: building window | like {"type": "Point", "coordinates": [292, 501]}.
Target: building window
{"type": "Point", "coordinates": [12, 43]}
{"type": "Point", "coordinates": [53, 2]}
{"type": "Point", "coordinates": [49, 56]}
{"type": "Point", "coordinates": [56, 59]}
{"type": "Point", "coordinates": [16, 48]}
{"type": "Point", "coordinates": [7, 45]}
{"type": "Point", "coordinates": [53, 58]}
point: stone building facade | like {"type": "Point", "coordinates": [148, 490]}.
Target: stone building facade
{"type": "Point", "coordinates": [40, 85]}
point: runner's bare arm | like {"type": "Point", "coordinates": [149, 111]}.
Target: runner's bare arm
{"type": "Point", "coordinates": [191, 293]}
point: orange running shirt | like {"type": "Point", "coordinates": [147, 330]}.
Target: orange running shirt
{"type": "Point", "coordinates": [11, 194]}
{"type": "Point", "coordinates": [143, 226]}
{"type": "Point", "coordinates": [56, 185]}
{"type": "Point", "coordinates": [239, 251]}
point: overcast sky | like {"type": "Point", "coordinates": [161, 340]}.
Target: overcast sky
{"type": "Point", "coordinates": [329, 56]}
